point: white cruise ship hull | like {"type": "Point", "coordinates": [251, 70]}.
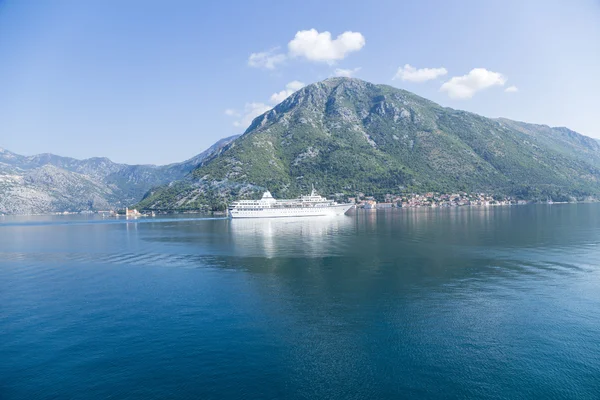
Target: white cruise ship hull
{"type": "Point", "coordinates": [278, 212]}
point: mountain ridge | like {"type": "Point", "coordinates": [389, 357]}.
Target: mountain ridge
{"type": "Point", "coordinates": [347, 135]}
{"type": "Point", "coordinates": [45, 182]}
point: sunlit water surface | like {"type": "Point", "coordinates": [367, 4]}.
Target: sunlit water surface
{"type": "Point", "coordinates": [499, 303]}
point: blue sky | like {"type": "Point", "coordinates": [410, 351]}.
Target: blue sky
{"type": "Point", "coordinates": [158, 82]}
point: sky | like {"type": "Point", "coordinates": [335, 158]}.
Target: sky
{"type": "Point", "coordinates": [158, 82]}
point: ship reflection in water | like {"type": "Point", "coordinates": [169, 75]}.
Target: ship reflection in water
{"type": "Point", "coordinates": [290, 237]}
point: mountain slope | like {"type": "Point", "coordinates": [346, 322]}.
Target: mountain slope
{"type": "Point", "coordinates": [347, 135]}
{"type": "Point", "coordinates": [48, 183]}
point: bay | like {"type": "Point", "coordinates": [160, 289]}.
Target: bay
{"type": "Point", "coordinates": [470, 302]}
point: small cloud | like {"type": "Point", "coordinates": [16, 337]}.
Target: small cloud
{"type": "Point", "coordinates": [290, 88]}
{"type": "Point", "coordinates": [266, 59]}
{"type": "Point", "coordinates": [412, 74]}
{"type": "Point", "coordinates": [232, 113]}
{"type": "Point", "coordinates": [464, 87]}
{"type": "Point", "coordinates": [347, 73]}
{"type": "Point", "coordinates": [251, 111]}
{"type": "Point", "coordinates": [320, 47]}
{"type": "Point", "coordinates": [511, 89]}
{"type": "Point", "coordinates": [254, 109]}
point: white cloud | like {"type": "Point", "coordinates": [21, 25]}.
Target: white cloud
{"type": "Point", "coordinates": [348, 73]}
{"type": "Point", "coordinates": [320, 47]}
{"type": "Point", "coordinates": [412, 74]}
{"type": "Point", "coordinates": [254, 109]}
{"type": "Point", "coordinates": [290, 88]}
{"type": "Point", "coordinates": [251, 111]}
{"type": "Point", "coordinates": [313, 46]}
{"type": "Point", "coordinates": [232, 113]}
{"type": "Point", "coordinates": [266, 59]}
{"type": "Point", "coordinates": [511, 89]}
{"type": "Point", "coordinates": [464, 87]}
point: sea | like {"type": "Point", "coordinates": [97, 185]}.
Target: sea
{"type": "Point", "coordinates": [457, 303]}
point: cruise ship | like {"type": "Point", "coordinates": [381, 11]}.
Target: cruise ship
{"type": "Point", "coordinates": [312, 205]}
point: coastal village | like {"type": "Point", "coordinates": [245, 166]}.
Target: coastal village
{"type": "Point", "coordinates": [432, 199]}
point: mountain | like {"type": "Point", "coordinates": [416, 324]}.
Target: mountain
{"type": "Point", "coordinates": [49, 183]}
{"type": "Point", "coordinates": [346, 135]}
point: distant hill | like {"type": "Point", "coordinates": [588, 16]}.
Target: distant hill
{"type": "Point", "coordinates": [48, 183]}
{"type": "Point", "coordinates": [346, 135]}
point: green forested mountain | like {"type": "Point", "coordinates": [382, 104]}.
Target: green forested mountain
{"type": "Point", "coordinates": [346, 135]}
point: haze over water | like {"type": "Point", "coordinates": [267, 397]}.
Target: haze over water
{"type": "Point", "coordinates": [499, 303]}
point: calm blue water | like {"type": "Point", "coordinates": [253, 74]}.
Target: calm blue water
{"type": "Point", "coordinates": [497, 303]}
